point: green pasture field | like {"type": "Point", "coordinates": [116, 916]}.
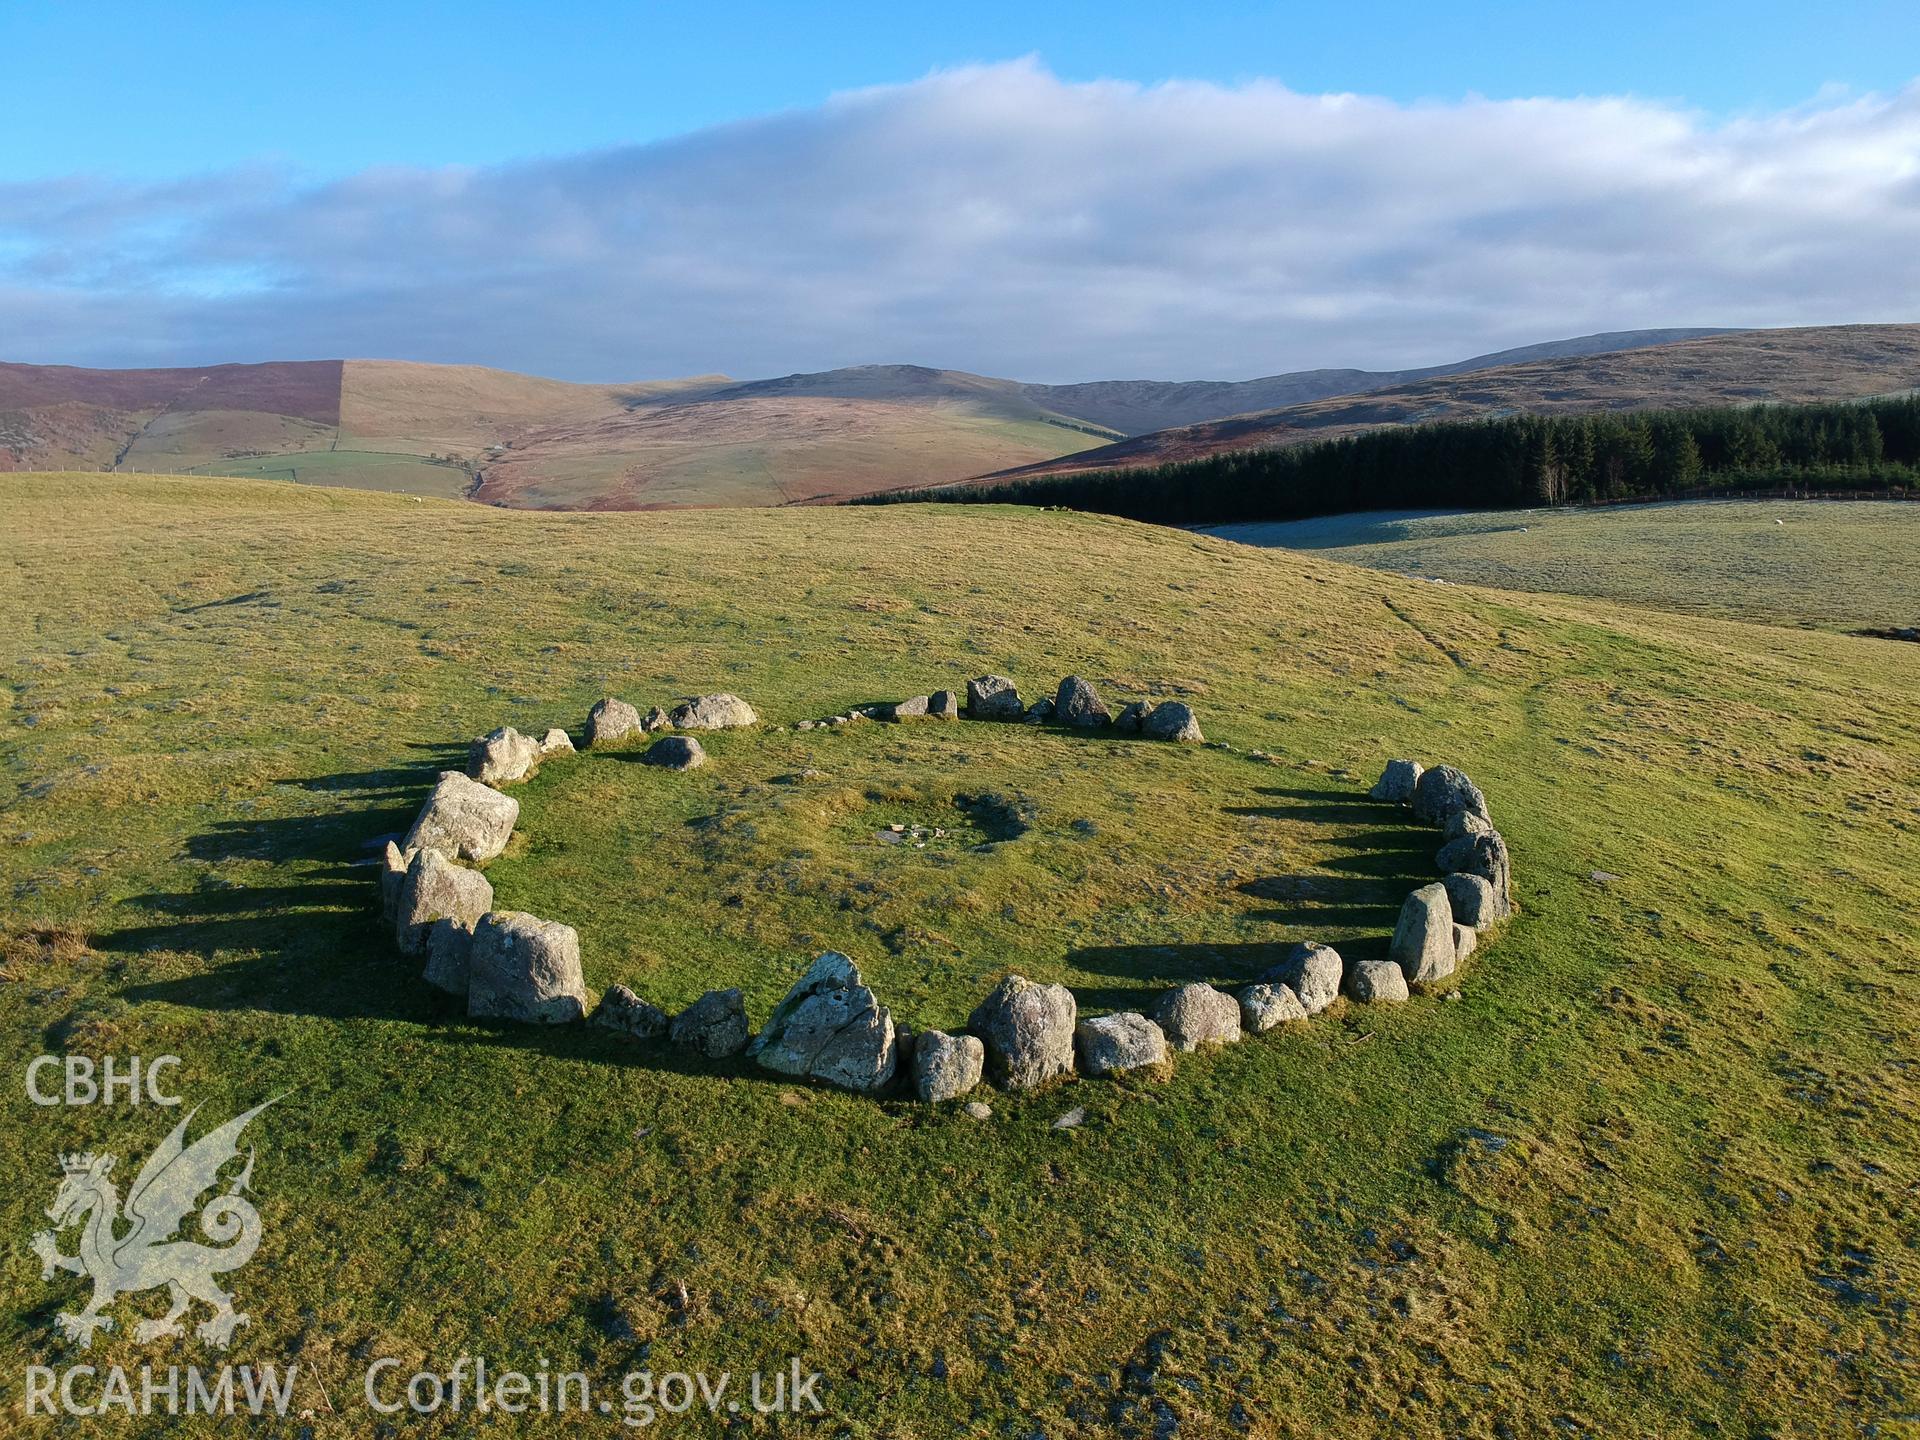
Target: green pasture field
{"type": "Point", "coordinates": [1652, 1173]}
{"type": "Point", "coordinates": [1834, 564]}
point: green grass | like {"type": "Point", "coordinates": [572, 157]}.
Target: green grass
{"type": "Point", "coordinates": [352, 469]}
{"type": "Point", "coordinates": [1833, 564]}
{"type": "Point", "coordinates": [680, 882]}
{"type": "Point", "coordinates": [1702, 1223]}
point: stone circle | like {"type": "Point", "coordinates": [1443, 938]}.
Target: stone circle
{"type": "Point", "coordinates": [831, 1028]}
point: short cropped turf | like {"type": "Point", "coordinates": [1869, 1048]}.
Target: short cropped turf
{"type": "Point", "coordinates": [1835, 564]}
{"type": "Point", "coordinates": [1651, 1174]}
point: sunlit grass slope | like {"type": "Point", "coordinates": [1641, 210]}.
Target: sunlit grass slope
{"type": "Point", "coordinates": [1834, 564]}
{"type": "Point", "coordinates": [1651, 1175]}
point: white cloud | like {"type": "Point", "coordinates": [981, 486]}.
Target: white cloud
{"type": "Point", "coordinates": [999, 219]}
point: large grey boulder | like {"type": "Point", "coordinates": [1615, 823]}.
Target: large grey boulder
{"type": "Point", "coordinates": [943, 705]}
{"type": "Point", "coordinates": [610, 721]}
{"type": "Point", "coordinates": [1376, 982]}
{"type": "Point", "coordinates": [1485, 856]}
{"type": "Point", "coordinates": [1193, 1015]}
{"type": "Point", "coordinates": [1443, 790]}
{"type": "Point", "coordinates": [712, 712]}
{"type": "Point", "coordinates": [945, 1067]}
{"type": "Point", "coordinates": [1397, 782]}
{"type": "Point", "coordinates": [393, 874]}
{"type": "Point", "coordinates": [625, 1013]}
{"type": "Point", "coordinates": [502, 757]}
{"type": "Point", "coordinates": [993, 697]}
{"type": "Point", "coordinates": [1423, 940]}
{"type": "Point", "coordinates": [1028, 1031]}
{"type": "Point", "coordinates": [910, 709]}
{"type": "Point", "coordinates": [1132, 715]}
{"type": "Point", "coordinates": [1464, 822]}
{"type": "Point", "coordinates": [829, 1028]}
{"type": "Point", "coordinates": [1474, 900]}
{"type": "Point", "coordinates": [1264, 1005]}
{"type": "Point", "coordinates": [525, 968]}
{"type": "Point", "coordinates": [555, 742]}
{"type": "Point", "coordinates": [1114, 1044]}
{"type": "Point", "coordinates": [675, 752]}
{"type": "Point", "coordinates": [1312, 971]}
{"type": "Point", "coordinates": [449, 957]}
{"type": "Point", "coordinates": [715, 1025]}
{"type": "Point", "coordinates": [1078, 703]}
{"type": "Point", "coordinates": [1172, 720]}
{"type": "Point", "coordinates": [437, 889]}
{"type": "Point", "coordinates": [463, 820]}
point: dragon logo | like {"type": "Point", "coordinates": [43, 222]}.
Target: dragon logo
{"type": "Point", "coordinates": [147, 1256]}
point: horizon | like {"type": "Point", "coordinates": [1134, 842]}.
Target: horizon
{"type": "Point", "coordinates": [746, 379]}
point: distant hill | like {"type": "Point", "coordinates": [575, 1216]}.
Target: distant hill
{"type": "Point", "coordinates": [1135, 407]}
{"type": "Point", "coordinates": [520, 440]}
{"type": "Point", "coordinates": [1728, 367]}
{"type": "Point", "coordinates": [523, 441]}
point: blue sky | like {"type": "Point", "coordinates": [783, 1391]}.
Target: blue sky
{"type": "Point", "coordinates": [145, 90]}
{"type": "Point", "coordinates": [1046, 191]}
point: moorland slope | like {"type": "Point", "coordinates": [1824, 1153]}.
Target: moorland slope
{"type": "Point", "coordinates": [1841, 362]}
{"type": "Point", "coordinates": [519, 440]}
{"type": "Point", "coordinates": [1649, 1175]}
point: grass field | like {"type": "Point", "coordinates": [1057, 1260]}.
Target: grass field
{"type": "Point", "coordinates": [1651, 1175]}
{"type": "Point", "coordinates": [1840, 565]}
{"type": "Point", "coordinates": [764, 451]}
{"type": "Point", "coordinates": [353, 469]}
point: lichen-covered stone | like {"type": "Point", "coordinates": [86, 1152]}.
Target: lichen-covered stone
{"type": "Point", "coordinates": [715, 1025]}
{"type": "Point", "coordinates": [463, 820]}
{"type": "Point", "coordinates": [449, 957]}
{"type": "Point", "coordinates": [525, 968]}
{"type": "Point", "coordinates": [1114, 1044]}
{"type": "Point", "coordinates": [1193, 1015]}
{"type": "Point", "coordinates": [1312, 971]}
{"type": "Point", "coordinates": [675, 752]}
{"type": "Point", "coordinates": [1077, 703]}
{"type": "Point", "coordinates": [720, 711]}
{"type": "Point", "coordinates": [1376, 982]}
{"type": "Point", "coordinates": [1266, 1004]}
{"type": "Point", "coordinates": [1027, 1030]}
{"type": "Point", "coordinates": [502, 757]}
{"type": "Point", "coordinates": [1172, 720]}
{"type": "Point", "coordinates": [993, 697]}
{"type": "Point", "coordinates": [1397, 782]}
{"type": "Point", "coordinates": [437, 889]}
{"type": "Point", "coordinates": [829, 1028]}
{"type": "Point", "coordinates": [1423, 940]}
{"type": "Point", "coordinates": [625, 1013]}
{"type": "Point", "coordinates": [1473, 900]}
{"type": "Point", "coordinates": [1441, 791]}
{"type": "Point", "coordinates": [945, 1067]}
{"type": "Point", "coordinates": [611, 721]}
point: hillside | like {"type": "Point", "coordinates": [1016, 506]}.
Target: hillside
{"type": "Point", "coordinates": [1136, 407]}
{"type": "Point", "coordinates": [1648, 1175]}
{"type": "Point", "coordinates": [519, 440]}
{"type": "Point", "coordinates": [1786, 562]}
{"type": "Point", "coordinates": [1824, 363]}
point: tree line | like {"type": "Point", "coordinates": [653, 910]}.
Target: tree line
{"type": "Point", "coordinates": [1512, 462]}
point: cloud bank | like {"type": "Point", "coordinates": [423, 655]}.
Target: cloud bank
{"type": "Point", "coordinates": [999, 219]}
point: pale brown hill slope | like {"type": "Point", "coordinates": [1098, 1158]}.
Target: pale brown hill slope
{"type": "Point", "coordinates": [524, 441]}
